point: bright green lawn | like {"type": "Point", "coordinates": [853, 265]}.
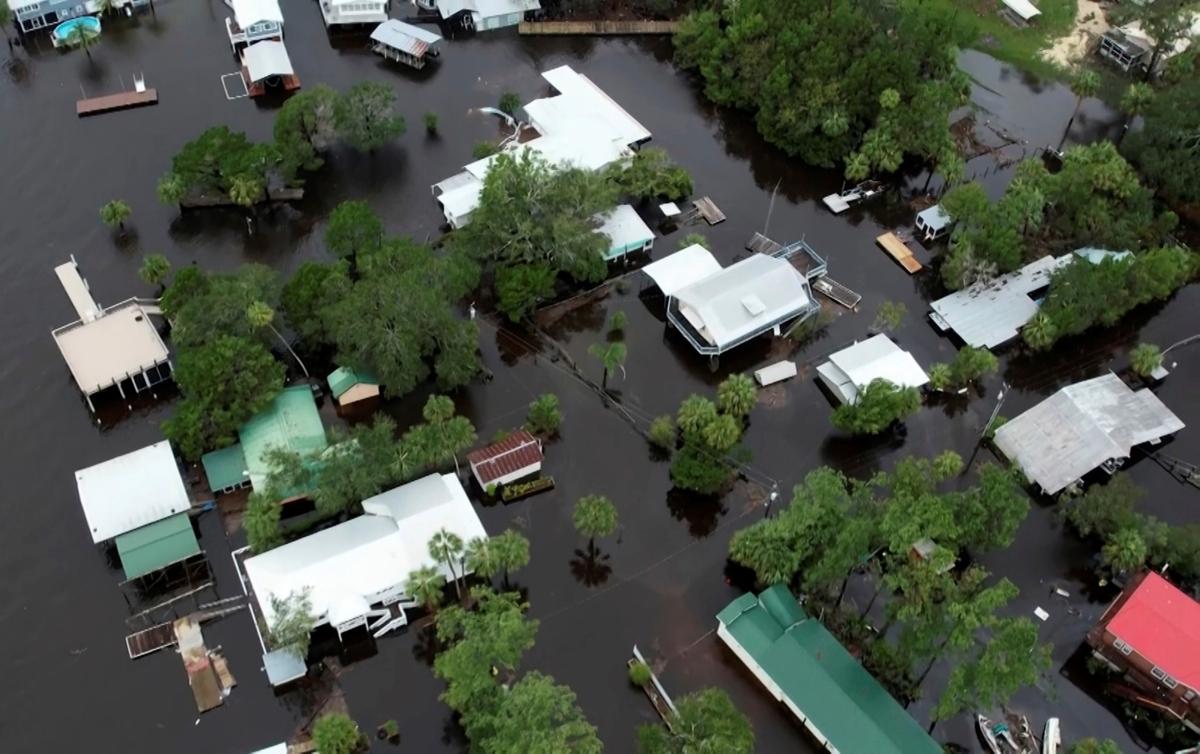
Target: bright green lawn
{"type": "Point", "coordinates": [1021, 47]}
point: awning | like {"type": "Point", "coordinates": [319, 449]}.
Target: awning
{"type": "Point", "coordinates": [266, 59]}
{"type": "Point", "coordinates": [157, 545]}
{"type": "Point", "coordinates": [1023, 8]}
{"type": "Point", "coordinates": [682, 268]}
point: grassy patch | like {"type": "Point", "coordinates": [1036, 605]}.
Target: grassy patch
{"type": "Point", "coordinates": [994, 35]}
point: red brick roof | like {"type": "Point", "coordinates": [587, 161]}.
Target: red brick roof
{"type": "Point", "coordinates": [518, 451]}
{"type": "Point", "coordinates": [1162, 624]}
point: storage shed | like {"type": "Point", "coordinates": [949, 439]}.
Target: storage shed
{"type": "Point", "coordinates": [515, 457]}
{"type": "Point", "coordinates": [851, 369]}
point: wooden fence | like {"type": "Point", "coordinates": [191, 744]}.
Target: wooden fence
{"type": "Point", "coordinates": [598, 27]}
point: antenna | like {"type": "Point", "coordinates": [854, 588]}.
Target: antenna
{"type": "Point", "coordinates": [771, 206]}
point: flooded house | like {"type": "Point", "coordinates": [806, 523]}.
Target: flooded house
{"type": "Point", "coordinates": [352, 388]}
{"type": "Point", "coordinates": [626, 232]}
{"type": "Point", "coordinates": [1094, 424]}
{"type": "Point", "coordinates": [138, 502]}
{"type": "Point", "coordinates": [1151, 635]}
{"type": "Point", "coordinates": [481, 15]}
{"type": "Point", "coordinates": [291, 423]}
{"type": "Point", "coordinates": [351, 12]}
{"type": "Point", "coordinates": [31, 15]}
{"type": "Point", "coordinates": [115, 346]}
{"type": "Point", "coordinates": [404, 43]}
{"type": "Point", "coordinates": [254, 21]}
{"type": "Point", "coordinates": [851, 369]}
{"type": "Point", "coordinates": [515, 457]}
{"type": "Point", "coordinates": [580, 127]}
{"type": "Point", "coordinates": [266, 65]}
{"type": "Point", "coordinates": [804, 666]}
{"type": "Point", "coordinates": [355, 573]}
{"type": "Point", "coordinates": [991, 312]}
{"type": "Point", "coordinates": [1131, 48]}
{"type": "Point", "coordinates": [716, 309]}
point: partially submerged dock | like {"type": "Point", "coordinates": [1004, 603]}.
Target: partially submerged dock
{"type": "Point", "coordinates": [139, 96]}
{"type": "Point", "coordinates": [898, 250]}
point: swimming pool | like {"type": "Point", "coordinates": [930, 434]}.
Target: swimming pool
{"type": "Point", "coordinates": [62, 32]}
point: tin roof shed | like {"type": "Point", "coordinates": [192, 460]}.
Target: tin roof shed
{"type": "Point", "coordinates": [852, 369]}
{"type": "Point", "coordinates": [290, 423]}
{"type": "Point", "coordinates": [516, 456]}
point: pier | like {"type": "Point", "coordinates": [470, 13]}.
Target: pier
{"type": "Point", "coordinates": [899, 251]}
{"type": "Point", "coordinates": [603, 28]}
{"type": "Point", "coordinates": [111, 102]}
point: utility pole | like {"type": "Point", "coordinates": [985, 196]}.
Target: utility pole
{"type": "Point", "coordinates": [995, 412]}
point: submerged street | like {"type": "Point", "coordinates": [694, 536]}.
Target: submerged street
{"type": "Point", "coordinates": [658, 582]}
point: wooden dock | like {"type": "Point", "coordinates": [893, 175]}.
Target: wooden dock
{"type": "Point", "coordinates": [707, 209]}
{"type": "Point", "coordinates": [836, 291]}
{"type": "Point", "coordinates": [112, 102]}
{"type": "Point", "coordinates": [899, 251]}
{"type": "Point", "coordinates": [760, 244]}
{"type": "Point", "coordinates": [598, 27]}
{"type": "Point", "coordinates": [203, 674]}
{"type": "Point", "coordinates": [150, 640]}
{"type": "Point", "coordinates": [196, 201]}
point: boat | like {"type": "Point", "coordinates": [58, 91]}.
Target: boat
{"type": "Point", "coordinates": [839, 203]}
{"type": "Point", "coordinates": [1051, 737]}
{"type": "Point", "coordinates": [997, 736]}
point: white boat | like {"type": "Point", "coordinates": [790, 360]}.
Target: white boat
{"type": "Point", "coordinates": [1051, 737]}
{"type": "Point", "coordinates": [987, 730]}
{"type": "Point", "coordinates": [839, 203]}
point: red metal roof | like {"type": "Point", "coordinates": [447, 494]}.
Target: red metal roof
{"type": "Point", "coordinates": [1162, 624]}
{"type": "Point", "coordinates": [518, 451]}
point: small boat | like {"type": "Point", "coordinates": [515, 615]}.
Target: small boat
{"type": "Point", "coordinates": [994, 733]}
{"type": "Point", "coordinates": [839, 203]}
{"type": "Point", "coordinates": [1051, 737]}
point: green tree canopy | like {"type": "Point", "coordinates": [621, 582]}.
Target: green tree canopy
{"type": "Point", "coordinates": [544, 417]}
{"type": "Point", "coordinates": [511, 550]}
{"type": "Point", "coordinates": [1145, 358]}
{"type": "Point", "coordinates": [539, 716]}
{"type": "Point", "coordinates": [291, 628]}
{"type": "Point", "coordinates": [736, 395]}
{"type": "Point", "coordinates": [353, 229]}
{"type": "Point", "coordinates": [215, 160]}
{"type": "Point", "coordinates": [426, 585]}
{"type": "Point", "coordinates": [365, 117]}
{"type": "Point", "coordinates": [707, 722]}
{"type": "Point", "coordinates": [305, 129]}
{"type": "Point", "coordinates": [1166, 149]}
{"type": "Point", "coordinates": [879, 405]}
{"type": "Point", "coordinates": [155, 269]}
{"type": "Point", "coordinates": [650, 174]}
{"type": "Point", "coordinates": [204, 306]}
{"type": "Point", "coordinates": [594, 516]}
{"type": "Point", "coordinates": [115, 213]}
{"type": "Point", "coordinates": [335, 733]}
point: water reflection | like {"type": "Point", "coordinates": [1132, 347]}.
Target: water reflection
{"type": "Point", "coordinates": [590, 566]}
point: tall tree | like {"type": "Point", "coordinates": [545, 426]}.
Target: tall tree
{"type": "Point", "coordinates": [83, 37]}
{"type": "Point", "coordinates": [878, 406]}
{"type": "Point", "coordinates": [426, 585]}
{"type": "Point", "coordinates": [115, 213]}
{"type": "Point", "coordinates": [155, 269]}
{"type": "Point", "coordinates": [611, 357]}
{"type": "Point", "coordinates": [511, 549]}
{"type": "Point", "coordinates": [1167, 147]}
{"type": "Point", "coordinates": [594, 516]}
{"type": "Point", "coordinates": [305, 129]}
{"type": "Point", "coordinates": [1167, 23]}
{"type": "Point", "coordinates": [706, 721]}
{"type": "Point", "coordinates": [353, 229]}
{"type": "Point", "coordinates": [539, 715]}
{"type": "Point", "coordinates": [736, 395]}
{"type": "Point", "coordinates": [1084, 84]}
{"type": "Point", "coordinates": [292, 623]}
{"type": "Point", "coordinates": [365, 116]}
{"type": "Point", "coordinates": [336, 733]}
{"type": "Point", "coordinates": [767, 548]}
{"type": "Point", "coordinates": [261, 315]}
{"type": "Point", "coordinates": [447, 547]}
{"type": "Point", "coordinates": [481, 558]}
{"type": "Point", "coordinates": [442, 436]}
{"type": "Point", "coordinates": [1133, 103]}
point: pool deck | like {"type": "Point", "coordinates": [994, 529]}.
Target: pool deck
{"type": "Point", "coordinates": [119, 101]}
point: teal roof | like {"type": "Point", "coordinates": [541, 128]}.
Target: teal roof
{"type": "Point", "coordinates": [157, 545]}
{"type": "Point", "coordinates": [291, 423]}
{"type": "Point", "coordinates": [343, 378]}
{"type": "Point", "coordinates": [225, 468]}
{"type": "Point", "coordinates": [814, 671]}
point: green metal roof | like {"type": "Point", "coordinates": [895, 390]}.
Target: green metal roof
{"type": "Point", "coordinates": [343, 378]}
{"type": "Point", "coordinates": [815, 672]}
{"type": "Point", "coordinates": [225, 468]}
{"type": "Point", "coordinates": [157, 545]}
{"type": "Point", "coordinates": [291, 422]}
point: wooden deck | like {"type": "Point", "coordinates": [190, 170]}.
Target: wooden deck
{"type": "Point", "coordinates": [760, 244]}
{"type": "Point", "coordinates": [598, 27]}
{"type": "Point", "coordinates": [711, 213]}
{"type": "Point", "coordinates": [899, 251]}
{"type": "Point", "coordinates": [259, 88]}
{"type": "Point", "coordinates": [837, 292]}
{"type": "Point", "coordinates": [150, 640]}
{"type": "Point", "coordinates": [119, 101]}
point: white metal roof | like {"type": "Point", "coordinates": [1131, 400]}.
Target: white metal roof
{"type": "Point", "coordinates": [1080, 427]}
{"type": "Point", "coordinates": [743, 298]}
{"type": "Point", "coordinates": [486, 8]}
{"type": "Point", "coordinates": [406, 37]}
{"type": "Point", "coordinates": [934, 218]}
{"type": "Point", "coordinates": [346, 565]}
{"type": "Point", "coordinates": [586, 96]}
{"type": "Point", "coordinates": [266, 59]}
{"type": "Point", "coordinates": [131, 491]}
{"type": "Point", "coordinates": [852, 369]}
{"type": "Point", "coordinates": [624, 227]}
{"type": "Point", "coordinates": [1023, 8]}
{"type": "Point", "coordinates": [989, 313]}
{"type": "Point", "coordinates": [255, 11]}
{"type": "Point", "coordinates": [682, 268]}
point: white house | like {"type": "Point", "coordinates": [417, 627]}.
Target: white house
{"type": "Point", "coordinates": [482, 15]}
{"type": "Point", "coordinates": [348, 12]}
{"type": "Point", "coordinates": [580, 127]}
{"type": "Point", "coordinates": [355, 572]}
{"type": "Point", "coordinates": [254, 21]}
{"type": "Point", "coordinates": [851, 369]}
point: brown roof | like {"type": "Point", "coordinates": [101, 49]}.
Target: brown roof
{"type": "Point", "coordinates": [515, 452]}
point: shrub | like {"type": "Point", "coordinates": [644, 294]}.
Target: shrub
{"type": "Point", "coordinates": [662, 433]}
{"type": "Point", "coordinates": [335, 733]}
{"type": "Point", "coordinates": [484, 149]}
{"type": "Point", "coordinates": [1145, 358]}
{"type": "Point", "coordinates": [509, 102]}
{"type": "Point", "coordinates": [431, 123]}
{"type": "Point", "coordinates": [544, 417]}
{"type": "Point", "coordinates": [639, 673]}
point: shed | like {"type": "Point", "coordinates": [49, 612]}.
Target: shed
{"type": "Point", "coordinates": [266, 60]}
{"type": "Point", "coordinates": [777, 372]}
{"type": "Point", "coordinates": [851, 369]}
{"type": "Point", "coordinates": [349, 386]}
{"type": "Point", "coordinates": [802, 665]}
{"type": "Point", "coordinates": [1091, 424]}
{"type": "Point", "coordinates": [1023, 9]}
{"type": "Point", "coordinates": [934, 222]}
{"type": "Point", "coordinates": [991, 312]}
{"type": "Point", "coordinates": [482, 15]}
{"type": "Point", "coordinates": [225, 469]}
{"type": "Point", "coordinates": [681, 269]}
{"type": "Point", "coordinates": [157, 545]}
{"type": "Point", "coordinates": [517, 456]}
{"type": "Point", "coordinates": [738, 303]}
{"type": "Point", "coordinates": [290, 423]}
{"type": "Point", "coordinates": [626, 232]}
{"type": "Point", "coordinates": [404, 43]}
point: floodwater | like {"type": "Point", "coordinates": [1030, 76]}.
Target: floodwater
{"type": "Point", "coordinates": [660, 580]}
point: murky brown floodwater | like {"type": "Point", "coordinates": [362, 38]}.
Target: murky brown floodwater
{"type": "Point", "coordinates": [67, 681]}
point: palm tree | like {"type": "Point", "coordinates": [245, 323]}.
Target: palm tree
{"type": "Point", "coordinates": [1040, 333]}
{"type": "Point", "coordinates": [154, 269]}
{"type": "Point", "coordinates": [1124, 551]}
{"type": "Point", "coordinates": [262, 315]}
{"type": "Point", "coordinates": [511, 550]}
{"type": "Point", "coordinates": [447, 547]}
{"type": "Point", "coordinates": [1145, 358]}
{"type": "Point", "coordinates": [82, 36]}
{"type": "Point", "coordinates": [595, 516]}
{"type": "Point", "coordinates": [1133, 103]}
{"type": "Point", "coordinates": [115, 213]}
{"type": "Point", "coordinates": [722, 433]}
{"type": "Point", "coordinates": [858, 167]}
{"type": "Point", "coordinates": [611, 356]}
{"type": "Point", "coordinates": [105, 7]}
{"type": "Point", "coordinates": [1084, 84]}
{"type": "Point", "coordinates": [426, 585]}
{"type": "Point", "coordinates": [171, 189]}
{"type": "Point", "coordinates": [737, 395]}
{"type": "Point", "coordinates": [481, 557]}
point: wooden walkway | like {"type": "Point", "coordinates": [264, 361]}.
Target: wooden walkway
{"type": "Point", "coordinates": [760, 244]}
{"type": "Point", "coordinates": [598, 27]}
{"type": "Point", "coordinates": [899, 251]}
{"type": "Point", "coordinates": [150, 640]}
{"type": "Point", "coordinates": [837, 292]}
{"type": "Point", "coordinates": [711, 213]}
{"type": "Point", "coordinates": [119, 101]}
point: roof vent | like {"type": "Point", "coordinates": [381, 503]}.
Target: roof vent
{"type": "Point", "coordinates": [753, 305]}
